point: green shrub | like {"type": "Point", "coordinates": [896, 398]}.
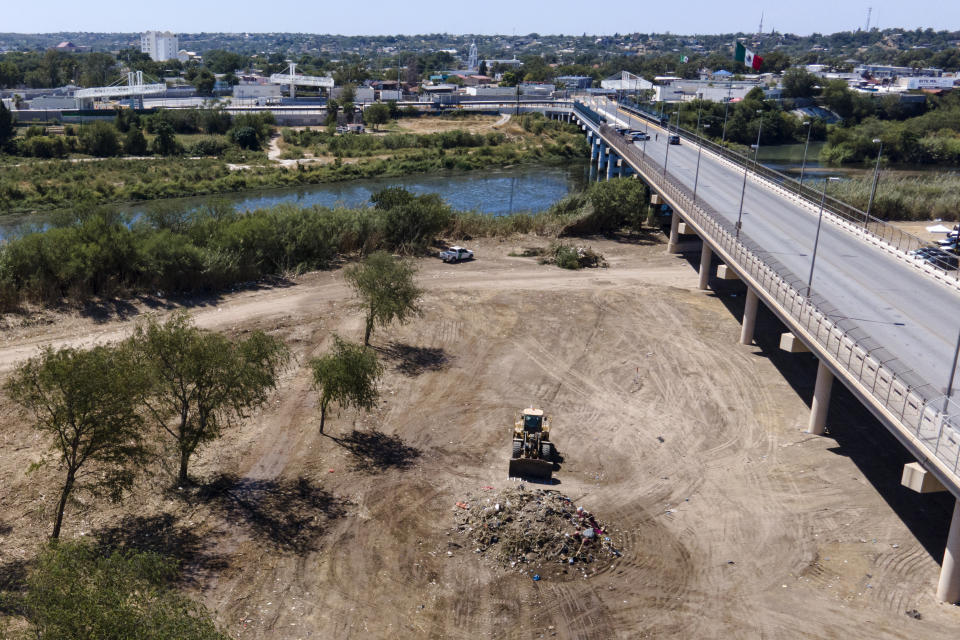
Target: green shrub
{"type": "Point", "coordinates": [100, 139]}
{"type": "Point", "coordinates": [78, 591]}
{"type": "Point", "coordinates": [208, 146]}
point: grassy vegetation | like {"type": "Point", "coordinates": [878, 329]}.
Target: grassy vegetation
{"type": "Point", "coordinates": [97, 252]}
{"type": "Point", "coordinates": [45, 184]}
{"type": "Point", "coordinates": [904, 197]}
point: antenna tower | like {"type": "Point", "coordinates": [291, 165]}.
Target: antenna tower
{"type": "Point", "coordinates": [869, 13]}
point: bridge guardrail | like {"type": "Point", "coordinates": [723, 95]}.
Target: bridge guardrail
{"type": "Point", "coordinates": [921, 409]}
{"type": "Point", "coordinates": [880, 229]}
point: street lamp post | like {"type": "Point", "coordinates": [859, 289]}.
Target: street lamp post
{"type": "Point", "coordinates": [876, 176]}
{"type": "Point", "coordinates": [696, 177]}
{"type": "Point", "coordinates": [816, 240]}
{"type": "Point", "coordinates": [666, 156]}
{"type": "Point", "coordinates": [743, 189]}
{"type": "Point", "coordinates": [804, 165]}
{"type": "Point", "coordinates": [756, 147]}
{"type": "Point", "coordinates": [953, 371]}
{"type": "Point", "coordinates": [726, 109]}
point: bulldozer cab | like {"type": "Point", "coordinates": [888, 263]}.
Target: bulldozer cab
{"type": "Point", "coordinates": [532, 423]}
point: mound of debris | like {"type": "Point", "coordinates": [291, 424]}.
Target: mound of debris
{"type": "Point", "coordinates": [520, 526]}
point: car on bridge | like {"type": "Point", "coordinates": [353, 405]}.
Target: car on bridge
{"type": "Point", "coordinates": [674, 139]}
{"type": "Point", "coordinates": [937, 257]}
{"type": "Point", "coordinates": [637, 135]}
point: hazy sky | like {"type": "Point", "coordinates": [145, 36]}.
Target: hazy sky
{"type": "Point", "coordinates": [487, 17]}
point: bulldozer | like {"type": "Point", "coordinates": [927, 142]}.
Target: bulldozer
{"type": "Point", "coordinates": [532, 455]}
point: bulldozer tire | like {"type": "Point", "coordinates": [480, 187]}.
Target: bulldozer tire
{"type": "Point", "coordinates": [546, 450]}
{"type": "Point", "coordinates": [517, 449]}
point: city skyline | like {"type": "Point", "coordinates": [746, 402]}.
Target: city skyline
{"type": "Point", "coordinates": [497, 18]}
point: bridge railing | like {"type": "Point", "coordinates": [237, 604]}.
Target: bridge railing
{"type": "Point", "coordinates": [921, 408]}
{"type": "Point", "coordinates": [880, 229]}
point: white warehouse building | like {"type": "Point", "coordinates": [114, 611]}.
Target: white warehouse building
{"type": "Point", "coordinates": [160, 45]}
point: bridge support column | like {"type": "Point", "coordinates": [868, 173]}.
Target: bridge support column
{"type": "Point", "coordinates": [674, 233]}
{"type": "Point", "coordinates": [611, 165]}
{"type": "Point", "coordinates": [821, 400]}
{"type": "Point", "coordinates": [593, 152]}
{"type": "Point", "coordinates": [749, 317]}
{"type": "Point", "coordinates": [948, 590]}
{"type": "Point", "coordinates": [706, 259]}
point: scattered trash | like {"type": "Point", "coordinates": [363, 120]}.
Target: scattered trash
{"type": "Point", "coordinates": [660, 438]}
{"type": "Point", "coordinates": [539, 528]}
{"type": "Point", "coordinates": [913, 613]}
{"type": "Point", "coordinates": [330, 471]}
{"type": "Point", "coordinates": [536, 577]}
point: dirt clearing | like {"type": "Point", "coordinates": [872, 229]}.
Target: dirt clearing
{"type": "Point", "coordinates": [727, 519]}
{"type": "Point", "coordinates": [472, 123]}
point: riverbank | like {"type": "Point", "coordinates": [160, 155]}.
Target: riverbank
{"type": "Point", "coordinates": [105, 254]}
{"type": "Point", "coordinates": [48, 185]}
{"type": "Point", "coordinates": [904, 197]}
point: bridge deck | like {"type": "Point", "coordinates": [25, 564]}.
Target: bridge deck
{"type": "Point", "coordinates": [904, 321]}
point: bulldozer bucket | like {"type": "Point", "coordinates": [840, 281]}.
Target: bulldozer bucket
{"type": "Point", "coordinates": [531, 468]}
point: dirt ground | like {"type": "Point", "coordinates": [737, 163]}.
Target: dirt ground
{"type": "Point", "coordinates": [474, 123]}
{"type": "Point", "coordinates": [689, 446]}
{"type": "Point", "coordinates": [919, 228]}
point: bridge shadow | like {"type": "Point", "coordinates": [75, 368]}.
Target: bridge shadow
{"type": "Point", "coordinates": [859, 436]}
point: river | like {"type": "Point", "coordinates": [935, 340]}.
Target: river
{"type": "Point", "coordinates": [498, 192]}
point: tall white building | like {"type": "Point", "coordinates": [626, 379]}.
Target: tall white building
{"type": "Point", "coordinates": [472, 63]}
{"type": "Point", "coordinates": [160, 45]}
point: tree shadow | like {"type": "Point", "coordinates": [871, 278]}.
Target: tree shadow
{"type": "Point", "coordinates": [643, 237]}
{"type": "Point", "coordinates": [13, 582]}
{"type": "Point", "coordinates": [162, 534]}
{"type": "Point", "coordinates": [104, 309]}
{"type": "Point", "coordinates": [288, 514]}
{"type": "Point", "coordinates": [375, 451]}
{"type": "Point", "coordinates": [413, 361]}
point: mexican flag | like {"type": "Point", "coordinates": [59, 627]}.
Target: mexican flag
{"type": "Point", "coordinates": [748, 57]}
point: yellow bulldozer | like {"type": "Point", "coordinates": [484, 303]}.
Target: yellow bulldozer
{"type": "Point", "coordinates": [533, 453]}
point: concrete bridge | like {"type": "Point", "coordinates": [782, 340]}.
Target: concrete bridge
{"type": "Point", "coordinates": [881, 321]}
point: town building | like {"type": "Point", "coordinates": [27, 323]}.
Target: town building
{"type": "Point", "coordinates": [626, 81]}
{"type": "Point", "coordinates": [680, 90]}
{"type": "Point", "coordinates": [887, 71]}
{"type": "Point", "coordinates": [160, 46]}
{"type": "Point", "coordinates": [926, 82]}
{"type": "Point", "coordinates": [248, 91]}
{"type": "Point", "coordinates": [574, 82]}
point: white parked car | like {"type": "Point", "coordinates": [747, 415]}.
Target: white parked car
{"type": "Point", "coordinates": [456, 254]}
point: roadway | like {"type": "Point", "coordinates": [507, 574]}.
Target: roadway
{"type": "Point", "coordinates": [913, 316]}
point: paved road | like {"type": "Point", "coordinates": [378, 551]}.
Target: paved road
{"type": "Point", "coordinates": [915, 317]}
